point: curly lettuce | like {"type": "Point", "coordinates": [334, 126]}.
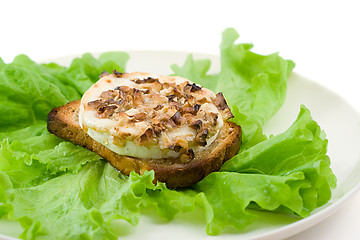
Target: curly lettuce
{"type": "Point", "coordinates": [57, 190]}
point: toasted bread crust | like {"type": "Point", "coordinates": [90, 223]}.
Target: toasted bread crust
{"type": "Point", "coordinates": [63, 122]}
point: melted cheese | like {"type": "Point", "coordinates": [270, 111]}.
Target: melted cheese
{"type": "Point", "coordinates": [105, 130]}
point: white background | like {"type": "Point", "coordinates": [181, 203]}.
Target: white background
{"type": "Point", "coordinates": [322, 37]}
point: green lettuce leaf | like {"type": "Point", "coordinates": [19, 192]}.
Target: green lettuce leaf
{"type": "Point", "coordinates": [26, 98]}
{"type": "Point", "coordinates": [301, 148]}
{"type": "Point", "coordinates": [288, 173]}
{"type": "Point", "coordinates": [25, 133]}
{"type": "Point", "coordinates": [28, 91]}
{"type": "Point", "coordinates": [228, 195]}
{"type": "Point", "coordinates": [2, 63]}
{"type": "Point", "coordinates": [36, 159]}
{"type": "Point", "coordinates": [254, 85]}
{"type": "Point", "coordinates": [85, 71]}
{"type": "Point", "coordinates": [5, 208]}
{"type": "Point", "coordinates": [48, 72]}
{"type": "Point", "coordinates": [57, 190]}
{"type": "Point", "coordinates": [303, 139]}
{"type": "Point", "coordinates": [78, 206]}
{"type": "Point", "coordinates": [20, 167]}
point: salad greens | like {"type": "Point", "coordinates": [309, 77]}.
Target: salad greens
{"type": "Point", "coordinates": [58, 190]}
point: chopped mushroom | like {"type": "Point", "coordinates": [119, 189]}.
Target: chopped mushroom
{"type": "Point", "coordinates": [201, 137]}
{"type": "Point", "coordinates": [117, 74]}
{"type": "Point", "coordinates": [196, 124]}
{"type": "Point", "coordinates": [171, 97]}
{"type": "Point", "coordinates": [191, 153]}
{"type": "Point", "coordinates": [95, 104]}
{"type": "Point", "coordinates": [146, 80]}
{"type": "Point", "coordinates": [176, 118]}
{"type": "Point", "coordinates": [192, 87]}
{"type": "Point", "coordinates": [220, 101]}
{"type": "Point", "coordinates": [103, 74]}
{"type": "Point", "coordinates": [106, 95]}
{"type": "Point", "coordinates": [193, 109]}
{"type": "Point", "coordinates": [106, 111]}
{"type": "Point", "coordinates": [158, 107]}
{"type": "Point", "coordinates": [176, 148]}
{"type": "Point", "coordinates": [212, 118]}
{"type": "Point", "coordinates": [139, 116]}
{"type": "Point", "coordinates": [163, 107]}
{"type": "Point", "coordinates": [117, 102]}
{"type": "Point", "coordinates": [147, 135]}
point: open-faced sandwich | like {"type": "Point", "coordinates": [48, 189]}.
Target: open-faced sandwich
{"type": "Point", "coordinates": [141, 121]}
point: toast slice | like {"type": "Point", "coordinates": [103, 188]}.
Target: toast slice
{"type": "Point", "coordinates": [63, 121]}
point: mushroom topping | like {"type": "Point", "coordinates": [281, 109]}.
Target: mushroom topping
{"type": "Point", "coordinates": [197, 124]}
{"type": "Point", "coordinates": [147, 135]}
{"type": "Point", "coordinates": [146, 80]}
{"type": "Point", "coordinates": [158, 107]}
{"type": "Point", "coordinates": [201, 137]}
{"type": "Point", "coordinates": [176, 148]}
{"type": "Point", "coordinates": [139, 117]}
{"type": "Point", "coordinates": [193, 109]}
{"type": "Point", "coordinates": [176, 118]}
{"type": "Point", "coordinates": [95, 104]}
{"type": "Point", "coordinates": [212, 118]}
{"type": "Point", "coordinates": [117, 102]}
{"type": "Point", "coordinates": [111, 94]}
{"type": "Point", "coordinates": [117, 74]}
{"type": "Point", "coordinates": [103, 74]}
{"type": "Point", "coordinates": [171, 98]}
{"type": "Point", "coordinates": [191, 153]}
{"type": "Point", "coordinates": [192, 87]}
{"type": "Point", "coordinates": [106, 111]}
{"type": "Point", "coordinates": [169, 112]}
{"type": "Point", "coordinates": [220, 101]}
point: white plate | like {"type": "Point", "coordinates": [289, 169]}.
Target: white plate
{"type": "Point", "coordinates": [339, 120]}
